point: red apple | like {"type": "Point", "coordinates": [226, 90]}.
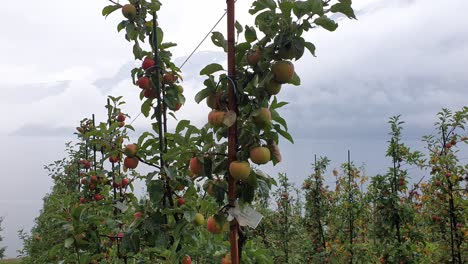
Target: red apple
{"type": "Point", "coordinates": [180, 201]}
{"type": "Point", "coordinates": [187, 260]}
{"type": "Point", "coordinates": [121, 117]}
{"type": "Point", "coordinates": [213, 226]}
{"type": "Point", "coordinates": [147, 63]}
{"type": "Point", "coordinates": [98, 197]}
{"type": "Point", "coordinates": [137, 215]}
{"type": "Point", "coordinates": [144, 83]}
{"type": "Point", "coordinates": [125, 182]}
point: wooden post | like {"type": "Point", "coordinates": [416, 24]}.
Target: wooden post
{"type": "Point", "coordinates": [232, 132]}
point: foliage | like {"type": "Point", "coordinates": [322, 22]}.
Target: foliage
{"type": "Point", "coordinates": [2, 249]}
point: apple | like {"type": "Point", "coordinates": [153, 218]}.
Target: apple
{"type": "Point", "coordinates": [260, 155]}
{"type": "Point", "coordinates": [92, 186]}
{"type": "Point", "coordinates": [137, 215]}
{"type": "Point", "coordinates": [150, 93]}
{"type": "Point", "coordinates": [147, 63]}
{"type": "Point", "coordinates": [199, 219]}
{"type": "Point", "coordinates": [215, 118]}
{"type": "Point", "coordinates": [239, 170]}
{"type": "Point", "coordinates": [125, 182]}
{"type": "Point", "coordinates": [262, 118]}
{"type": "Point", "coordinates": [180, 89]}
{"type": "Point", "coordinates": [114, 159]}
{"type": "Point", "coordinates": [86, 164]}
{"type": "Point", "coordinates": [169, 78]}
{"type": "Point", "coordinates": [116, 185]}
{"type": "Point", "coordinates": [121, 117]}
{"type": "Point", "coordinates": [176, 107]}
{"type": "Point", "coordinates": [213, 226]}
{"type": "Point", "coordinates": [84, 181]}
{"type": "Point", "coordinates": [120, 235]}
{"type": "Point", "coordinates": [187, 260]}
{"type": "Point", "coordinates": [94, 178]}
{"type": "Point", "coordinates": [131, 163]}
{"type": "Point", "coordinates": [129, 11]}
{"type": "Point", "coordinates": [448, 145]}
{"type": "Point", "coordinates": [283, 71]}
{"type": "Point", "coordinates": [437, 183]}
{"type": "Point", "coordinates": [144, 83]}
{"type": "Point", "coordinates": [131, 150]}
{"type": "Point", "coordinates": [196, 167]}
{"type": "Point", "coordinates": [180, 201]}
{"type": "Point", "coordinates": [272, 87]}
{"type": "Point", "coordinates": [98, 197]}
{"type": "Point", "coordinates": [226, 259]}
{"type": "Point", "coordinates": [83, 200]}
{"type": "Point", "coordinates": [254, 56]}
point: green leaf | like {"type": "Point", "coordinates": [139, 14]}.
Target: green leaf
{"type": "Point", "coordinates": [283, 133]}
{"type": "Point", "coordinates": [262, 4]}
{"type": "Point", "coordinates": [202, 95]}
{"type": "Point", "coordinates": [137, 51]}
{"type": "Point", "coordinates": [122, 25]}
{"type": "Point", "coordinates": [167, 45]}
{"type": "Point", "coordinates": [146, 107]}
{"type": "Point", "coordinates": [131, 31]}
{"type": "Point", "coordinates": [301, 8]}
{"type": "Point", "coordinates": [295, 80]}
{"type": "Point", "coordinates": [211, 68]}
{"type": "Point", "coordinates": [219, 40]}
{"type": "Point", "coordinates": [276, 105]}
{"type": "Point", "coordinates": [250, 34]}
{"type": "Point", "coordinates": [286, 8]}
{"type": "Point", "coordinates": [311, 47]}
{"type": "Point", "coordinates": [276, 117]}
{"type": "Point", "coordinates": [344, 7]}
{"type": "Point", "coordinates": [326, 23]}
{"type": "Point", "coordinates": [160, 35]}
{"type": "Point", "coordinates": [109, 9]}
{"type": "Point", "coordinates": [238, 27]}
{"type": "Point", "coordinates": [156, 191]}
{"type": "Point", "coordinates": [182, 125]}
{"type": "Point", "coordinates": [316, 7]}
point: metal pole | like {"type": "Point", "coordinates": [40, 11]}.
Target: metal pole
{"type": "Point", "coordinates": [232, 132]}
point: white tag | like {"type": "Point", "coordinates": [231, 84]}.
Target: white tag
{"type": "Point", "coordinates": [246, 215]}
{"type": "Point", "coordinates": [121, 206]}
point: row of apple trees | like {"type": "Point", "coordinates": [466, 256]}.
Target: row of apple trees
{"type": "Point", "coordinates": [93, 215]}
{"type": "Point", "coordinates": [416, 212]}
{"type": "Point", "coordinates": [395, 217]}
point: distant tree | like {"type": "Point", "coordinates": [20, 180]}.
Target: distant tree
{"type": "Point", "coordinates": [2, 249]}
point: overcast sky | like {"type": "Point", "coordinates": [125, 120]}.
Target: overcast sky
{"type": "Point", "coordinates": [60, 59]}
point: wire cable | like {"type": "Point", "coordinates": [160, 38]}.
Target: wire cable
{"type": "Point", "coordinates": [203, 40]}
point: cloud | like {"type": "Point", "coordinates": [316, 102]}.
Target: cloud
{"type": "Point", "coordinates": [38, 130]}
{"type": "Point", "coordinates": [29, 93]}
{"type": "Point", "coordinates": [388, 62]}
{"type": "Point", "coordinates": [106, 84]}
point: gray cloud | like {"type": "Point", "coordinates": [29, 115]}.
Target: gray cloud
{"type": "Point", "coordinates": [42, 130]}
{"type": "Point", "coordinates": [29, 93]}
{"type": "Point", "coordinates": [106, 84]}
